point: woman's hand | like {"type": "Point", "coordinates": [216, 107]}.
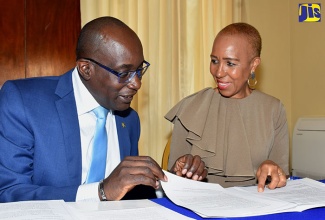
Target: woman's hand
{"type": "Point", "coordinates": [270, 169]}
{"type": "Point", "coordinates": [190, 166]}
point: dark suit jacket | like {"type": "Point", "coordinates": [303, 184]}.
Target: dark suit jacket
{"type": "Point", "coordinates": [40, 149]}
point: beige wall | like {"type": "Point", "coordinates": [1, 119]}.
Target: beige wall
{"type": "Point", "coordinates": [307, 65]}
{"type": "Point", "coordinates": [293, 59]}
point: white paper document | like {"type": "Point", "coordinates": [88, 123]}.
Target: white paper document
{"type": "Point", "coordinates": [305, 193]}
{"type": "Point", "coordinates": [60, 210]}
{"type": "Point", "coordinates": [126, 209]}
{"type": "Point", "coordinates": [52, 209]}
{"type": "Point", "coordinates": [212, 200]}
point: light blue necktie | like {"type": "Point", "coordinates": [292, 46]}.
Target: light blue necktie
{"type": "Point", "coordinates": [98, 162]}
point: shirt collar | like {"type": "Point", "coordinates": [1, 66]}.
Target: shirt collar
{"type": "Point", "coordinates": [85, 102]}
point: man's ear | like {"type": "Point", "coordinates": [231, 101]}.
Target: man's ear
{"type": "Point", "coordinates": [84, 69]}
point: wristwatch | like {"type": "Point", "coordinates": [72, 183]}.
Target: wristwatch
{"type": "Point", "coordinates": [101, 191]}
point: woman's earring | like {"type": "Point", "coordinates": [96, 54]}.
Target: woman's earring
{"type": "Point", "coordinates": [252, 81]}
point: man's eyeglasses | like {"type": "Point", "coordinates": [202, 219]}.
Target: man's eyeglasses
{"type": "Point", "coordinates": [124, 77]}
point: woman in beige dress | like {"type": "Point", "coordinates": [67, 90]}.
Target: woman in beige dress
{"type": "Point", "coordinates": [232, 134]}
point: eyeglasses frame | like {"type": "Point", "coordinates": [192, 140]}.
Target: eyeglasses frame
{"type": "Point", "coordinates": [139, 72]}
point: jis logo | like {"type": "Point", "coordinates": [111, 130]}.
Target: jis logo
{"type": "Point", "coordinates": [309, 12]}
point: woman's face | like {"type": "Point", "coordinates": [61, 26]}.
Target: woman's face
{"type": "Point", "coordinates": [232, 61]}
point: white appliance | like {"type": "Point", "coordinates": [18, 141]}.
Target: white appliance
{"type": "Point", "coordinates": [308, 148]}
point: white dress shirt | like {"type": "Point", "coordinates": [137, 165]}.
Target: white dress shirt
{"type": "Point", "coordinates": [87, 122]}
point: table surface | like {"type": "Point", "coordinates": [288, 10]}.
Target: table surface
{"type": "Point", "coordinates": [316, 213]}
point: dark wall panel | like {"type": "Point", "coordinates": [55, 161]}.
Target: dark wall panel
{"type": "Point", "coordinates": [12, 40]}
{"type": "Point", "coordinates": [38, 37]}
{"type": "Point", "coordinates": [52, 30]}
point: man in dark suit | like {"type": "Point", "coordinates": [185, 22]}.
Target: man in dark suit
{"type": "Point", "coordinates": [47, 124]}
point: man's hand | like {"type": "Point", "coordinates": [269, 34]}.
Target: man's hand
{"type": "Point", "coordinates": [270, 169]}
{"type": "Point", "coordinates": [132, 171]}
{"type": "Point", "coordinates": [191, 167]}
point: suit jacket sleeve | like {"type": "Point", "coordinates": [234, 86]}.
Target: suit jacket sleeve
{"type": "Point", "coordinates": [33, 165]}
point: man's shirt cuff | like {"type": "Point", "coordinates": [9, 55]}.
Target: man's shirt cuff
{"type": "Point", "coordinates": [88, 192]}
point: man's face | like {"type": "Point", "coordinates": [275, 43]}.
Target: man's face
{"type": "Point", "coordinates": [120, 55]}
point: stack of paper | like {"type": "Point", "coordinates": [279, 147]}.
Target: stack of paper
{"type": "Point", "coordinates": [211, 200]}
{"type": "Point", "coordinates": [60, 210]}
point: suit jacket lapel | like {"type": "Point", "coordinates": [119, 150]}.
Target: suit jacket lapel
{"type": "Point", "coordinates": [67, 111]}
{"type": "Point", "coordinates": [123, 137]}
